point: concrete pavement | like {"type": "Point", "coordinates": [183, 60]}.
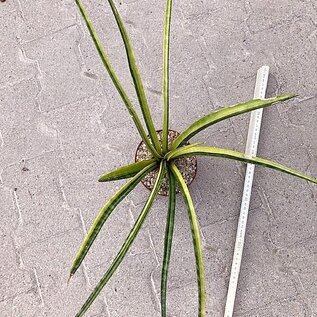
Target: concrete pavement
{"type": "Point", "coordinates": [62, 124]}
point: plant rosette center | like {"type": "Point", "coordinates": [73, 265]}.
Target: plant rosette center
{"type": "Point", "coordinates": [186, 165]}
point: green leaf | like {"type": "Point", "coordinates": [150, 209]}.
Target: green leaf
{"type": "Point", "coordinates": [126, 171]}
{"type": "Point", "coordinates": [166, 48]}
{"type": "Point", "coordinates": [218, 152]}
{"type": "Point", "coordinates": [128, 242]}
{"type": "Point", "coordinates": [138, 85]}
{"type": "Point", "coordinates": [226, 113]}
{"type": "Point", "coordinates": [104, 214]}
{"type": "Point", "coordinates": [105, 59]}
{"type": "Point", "coordinates": [188, 146]}
{"type": "Point", "coordinates": [196, 240]}
{"type": "Point", "coordinates": [168, 241]}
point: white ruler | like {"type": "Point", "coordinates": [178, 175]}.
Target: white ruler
{"type": "Point", "coordinates": [250, 151]}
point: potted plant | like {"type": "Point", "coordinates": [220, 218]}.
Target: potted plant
{"type": "Point", "coordinates": [165, 162]}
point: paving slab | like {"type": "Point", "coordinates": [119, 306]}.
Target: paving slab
{"type": "Point", "coordinates": [62, 124]}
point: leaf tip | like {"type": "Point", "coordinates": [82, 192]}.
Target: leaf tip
{"type": "Point", "coordinates": [69, 278]}
{"type": "Point", "coordinates": [102, 179]}
{"type": "Point", "coordinates": [288, 96]}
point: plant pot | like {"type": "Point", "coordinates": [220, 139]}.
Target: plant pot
{"type": "Point", "coordinates": [186, 165]}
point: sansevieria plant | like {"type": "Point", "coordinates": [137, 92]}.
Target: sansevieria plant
{"type": "Point", "coordinates": [162, 163]}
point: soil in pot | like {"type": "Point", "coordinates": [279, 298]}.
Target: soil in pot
{"type": "Point", "coordinates": [186, 165]}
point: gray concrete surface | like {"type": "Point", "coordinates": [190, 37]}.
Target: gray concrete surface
{"type": "Point", "coordinates": [62, 124]}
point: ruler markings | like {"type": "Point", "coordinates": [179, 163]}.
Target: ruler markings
{"type": "Point", "coordinates": [250, 151]}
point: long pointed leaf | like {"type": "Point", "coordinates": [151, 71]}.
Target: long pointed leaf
{"type": "Point", "coordinates": [128, 242]}
{"type": "Point", "coordinates": [105, 59]}
{"type": "Point", "coordinates": [136, 77]}
{"type": "Point", "coordinates": [168, 241]}
{"type": "Point", "coordinates": [219, 152]}
{"type": "Point", "coordinates": [166, 48]}
{"type": "Point", "coordinates": [126, 171]}
{"type": "Point", "coordinates": [104, 214]}
{"type": "Point", "coordinates": [226, 113]}
{"type": "Point", "coordinates": [196, 240]}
